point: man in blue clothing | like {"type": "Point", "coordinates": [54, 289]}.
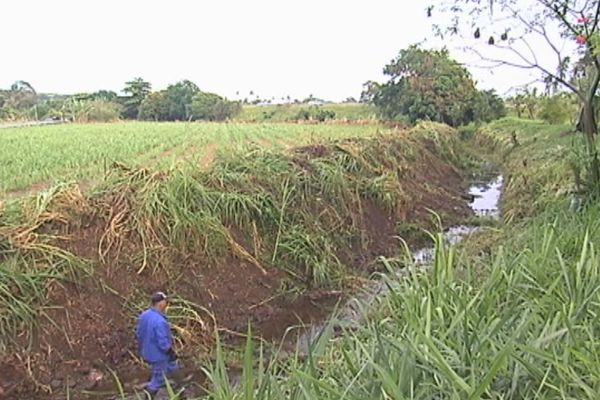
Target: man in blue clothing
{"type": "Point", "coordinates": [155, 342]}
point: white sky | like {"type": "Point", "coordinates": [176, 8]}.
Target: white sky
{"type": "Point", "coordinates": [328, 48]}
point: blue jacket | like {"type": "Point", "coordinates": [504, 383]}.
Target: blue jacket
{"type": "Point", "coordinates": [154, 336]}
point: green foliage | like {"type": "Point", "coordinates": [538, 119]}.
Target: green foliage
{"type": "Point", "coordinates": [558, 109]}
{"type": "Point", "coordinates": [499, 330]}
{"type": "Point", "coordinates": [44, 155]}
{"type": "Point", "coordinates": [519, 323]}
{"type": "Point", "coordinates": [17, 101]}
{"type": "Point", "coordinates": [179, 99]}
{"type": "Point", "coordinates": [576, 69]}
{"type": "Point", "coordinates": [429, 85]}
{"type": "Point", "coordinates": [185, 101]}
{"type": "Point", "coordinates": [101, 111]}
{"type": "Point", "coordinates": [106, 95]}
{"type": "Point", "coordinates": [212, 107]}
{"type": "Point", "coordinates": [155, 107]}
{"type": "Point", "coordinates": [137, 90]}
{"type": "Point", "coordinates": [296, 112]}
{"type": "Point", "coordinates": [315, 113]}
{"type": "Point", "coordinates": [487, 106]}
{"type": "Point", "coordinates": [539, 158]}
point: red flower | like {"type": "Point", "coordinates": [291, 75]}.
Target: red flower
{"type": "Point", "coordinates": [583, 20]}
{"type": "Point", "coordinates": [581, 39]}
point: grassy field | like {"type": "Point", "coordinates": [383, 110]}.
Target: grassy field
{"type": "Point", "coordinates": [289, 112]}
{"type": "Point", "coordinates": [33, 158]}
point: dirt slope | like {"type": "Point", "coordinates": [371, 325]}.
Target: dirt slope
{"type": "Point", "coordinates": [226, 277]}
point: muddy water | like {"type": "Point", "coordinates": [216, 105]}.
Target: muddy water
{"type": "Point", "coordinates": [485, 203]}
{"type": "Point", "coordinates": [486, 197]}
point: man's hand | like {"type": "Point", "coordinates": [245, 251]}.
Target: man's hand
{"type": "Point", "coordinates": [172, 355]}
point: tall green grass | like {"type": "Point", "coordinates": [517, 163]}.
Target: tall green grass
{"type": "Point", "coordinates": [31, 263]}
{"type": "Point", "coordinates": [521, 324]}
{"type": "Point", "coordinates": [300, 211]}
{"type": "Point", "coordinates": [512, 315]}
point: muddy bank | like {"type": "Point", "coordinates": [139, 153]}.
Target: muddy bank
{"type": "Point", "coordinates": [485, 202]}
{"type": "Point", "coordinates": [271, 238]}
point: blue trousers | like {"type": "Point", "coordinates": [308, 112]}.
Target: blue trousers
{"type": "Point", "coordinates": [159, 371]}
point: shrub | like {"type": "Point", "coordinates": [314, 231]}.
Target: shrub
{"type": "Point", "coordinates": [557, 109]}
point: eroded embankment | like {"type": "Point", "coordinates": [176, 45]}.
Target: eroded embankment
{"type": "Point", "coordinates": [271, 238]}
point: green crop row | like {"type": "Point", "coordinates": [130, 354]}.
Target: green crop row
{"type": "Point", "coordinates": [45, 155]}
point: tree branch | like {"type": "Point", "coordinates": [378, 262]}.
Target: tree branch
{"type": "Point", "coordinates": [596, 19]}
{"type": "Point", "coordinates": [559, 15]}
{"type": "Point", "coordinates": [528, 65]}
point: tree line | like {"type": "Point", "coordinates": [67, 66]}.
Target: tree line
{"type": "Point", "coordinates": [179, 101]}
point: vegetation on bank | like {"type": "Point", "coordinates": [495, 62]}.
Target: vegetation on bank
{"type": "Point", "coordinates": [512, 314]}
{"type": "Point", "coordinates": [273, 222]}
{"type": "Point", "coordinates": [510, 33]}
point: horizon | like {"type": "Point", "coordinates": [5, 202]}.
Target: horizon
{"type": "Point", "coordinates": [298, 49]}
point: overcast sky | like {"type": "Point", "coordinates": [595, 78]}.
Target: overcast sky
{"type": "Point", "coordinates": [328, 48]}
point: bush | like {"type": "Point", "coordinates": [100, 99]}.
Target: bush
{"type": "Point", "coordinates": [303, 115]}
{"type": "Point", "coordinates": [103, 111]}
{"type": "Point", "coordinates": [90, 110]}
{"type": "Point", "coordinates": [155, 107]}
{"type": "Point", "coordinates": [322, 115]}
{"type": "Point", "coordinates": [467, 132]}
{"type": "Point", "coordinates": [212, 107]}
{"type": "Point", "coordinates": [314, 113]}
{"type": "Point", "coordinates": [557, 109]}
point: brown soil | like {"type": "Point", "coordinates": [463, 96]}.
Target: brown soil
{"type": "Point", "coordinates": [209, 155]}
{"type": "Point", "coordinates": [93, 322]}
{"type": "Point", "coordinates": [28, 191]}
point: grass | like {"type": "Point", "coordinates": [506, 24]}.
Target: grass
{"type": "Point", "coordinates": [518, 320]}
{"type": "Point", "coordinates": [290, 112]}
{"type": "Point", "coordinates": [31, 264]}
{"type": "Point", "coordinates": [539, 159]}
{"type": "Point", "coordinates": [46, 155]}
{"type": "Point", "coordinates": [293, 210]}
{"type": "Point", "coordinates": [519, 323]}
{"type": "Point", "coordinates": [299, 212]}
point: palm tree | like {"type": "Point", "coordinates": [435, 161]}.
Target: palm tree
{"type": "Point", "coordinates": [21, 95]}
{"type": "Point", "coordinates": [137, 89]}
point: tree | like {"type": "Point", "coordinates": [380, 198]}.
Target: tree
{"type": "Point", "coordinates": [531, 102]}
{"type": "Point", "coordinates": [180, 97]}
{"type": "Point", "coordinates": [21, 95]}
{"type": "Point", "coordinates": [155, 107]}
{"type": "Point", "coordinates": [370, 89]}
{"type": "Point", "coordinates": [212, 107]}
{"type": "Point", "coordinates": [106, 95]}
{"type": "Point", "coordinates": [426, 85]}
{"type": "Point", "coordinates": [515, 34]}
{"type": "Point", "coordinates": [487, 106]}
{"type": "Point", "coordinates": [558, 108]}
{"type": "Point", "coordinates": [137, 89]}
